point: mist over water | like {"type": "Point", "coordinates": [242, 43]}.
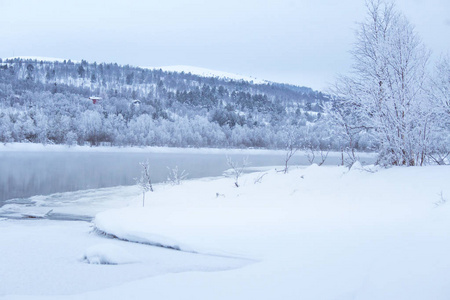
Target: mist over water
{"type": "Point", "coordinates": [26, 174]}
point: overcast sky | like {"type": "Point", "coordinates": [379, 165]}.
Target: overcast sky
{"type": "Point", "coordinates": [293, 41]}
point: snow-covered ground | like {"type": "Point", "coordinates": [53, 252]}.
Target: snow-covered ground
{"type": "Point", "coordinates": [314, 233]}
{"type": "Point", "coordinates": [35, 147]}
{"type": "Point", "coordinates": [78, 205]}
{"type": "Point", "coordinates": [58, 258]}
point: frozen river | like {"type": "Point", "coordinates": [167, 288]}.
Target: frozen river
{"type": "Point", "coordinates": [41, 172]}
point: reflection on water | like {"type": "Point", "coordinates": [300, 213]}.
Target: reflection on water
{"type": "Point", "coordinates": [25, 174]}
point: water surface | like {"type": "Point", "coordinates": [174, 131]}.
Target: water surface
{"type": "Point", "coordinates": [24, 174]}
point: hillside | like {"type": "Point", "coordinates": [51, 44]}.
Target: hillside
{"type": "Point", "coordinates": [202, 72]}
{"type": "Point", "coordinates": [47, 101]}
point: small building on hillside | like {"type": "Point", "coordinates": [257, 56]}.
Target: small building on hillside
{"type": "Point", "coordinates": [95, 99]}
{"type": "Point", "coordinates": [136, 103]}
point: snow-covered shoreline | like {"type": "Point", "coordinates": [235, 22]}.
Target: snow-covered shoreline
{"type": "Point", "coordinates": [35, 147]}
{"type": "Point", "coordinates": [36, 169]}
{"type": "Point", "coordinates": [314, 233]}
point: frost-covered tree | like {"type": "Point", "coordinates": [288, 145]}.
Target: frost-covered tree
{"type": "Point", "coordinates": [144, 181]}
{"type": "Point", "coordinates": [386, 93]}
{"type": "Point", "coordinates": [236, 170]}
{"type": "Point", "coordinates": [441, 85]}
{"type": "Point", "coordinates": [439, 150]}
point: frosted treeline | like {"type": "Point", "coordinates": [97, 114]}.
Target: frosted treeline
{"type": "Point", "coordinates": [48, 102]}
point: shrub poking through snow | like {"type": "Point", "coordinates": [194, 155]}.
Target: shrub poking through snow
{"type": "Point", "coordinates": [259, 178]}
{"type": "Point", "coordinates": [289, 153]}
{"type": "Point", "coordinates": [237, 170]}
{"type": "Point", "coordinates": [145, 182]}
{"type": "Point", "coordinates": [175, 177]}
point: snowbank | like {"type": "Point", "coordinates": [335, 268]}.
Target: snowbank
{"type": "Point", "coordinates": [44, 259]}
{"type": "Point", "coordinates": [355, 234]}
{"type": "Point", "coordinates": [314, 233]}
{"type": "Point", "coordinates": [107, 254]}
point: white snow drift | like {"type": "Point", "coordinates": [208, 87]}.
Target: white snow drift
{"type": "Point", "coordinates": [107, 254]}
{"type": "Point", "coordinates": [314, 233]}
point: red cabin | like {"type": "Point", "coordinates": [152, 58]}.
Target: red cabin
{"type": "Point", "coordinates": [95, 99]}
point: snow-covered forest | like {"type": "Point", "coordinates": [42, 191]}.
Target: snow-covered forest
{"type": "Point", "coordinates": [48, 102]}
{"type": "Point", "coordinates": [395, 102]}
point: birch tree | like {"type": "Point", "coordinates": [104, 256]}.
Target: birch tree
{"type": "Point", "coordinates": [439, 151]}
{"type": "Point", "coordinates": [386, 91]}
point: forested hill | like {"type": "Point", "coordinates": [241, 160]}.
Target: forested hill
{"type": "Point", "coordinates": [49, 102]}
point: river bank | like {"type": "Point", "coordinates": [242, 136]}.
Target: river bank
{"type": "Point", "coordinates": [314, 233]}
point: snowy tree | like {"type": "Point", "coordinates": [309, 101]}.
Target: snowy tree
{"type": "Point", "coordinates": [441, 85]}
{"type": "Point", "coordinates": [292, 145]}
{"type": "Point", "coordinates": [175, 177]}
{"type": "Point", "coordinates": [236, 170]}
{"type": "Point", "coordinates": [145, 182]}
{"type": "Point", "coordinates": [90, 124]}
{"type": "Point", "coordinates": [386, 92]}
{"type": "Point", "coordinates": [81, 71]}
{"type": "Point", "coordinates": [439, 150]}
{"type": "Point", "coordinates": [342, 120]}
